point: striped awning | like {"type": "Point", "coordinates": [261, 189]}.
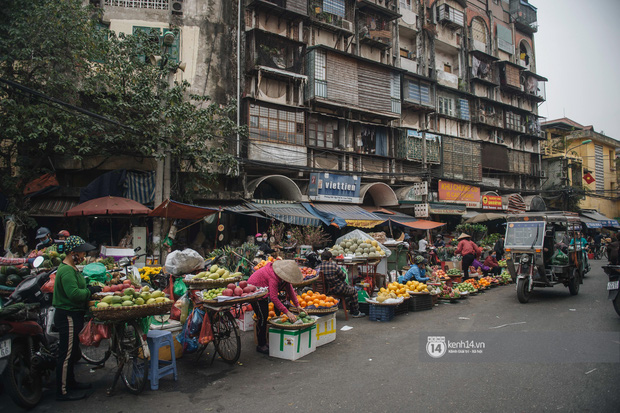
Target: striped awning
{"type": "Point", "coordinates": [290, 213]}
{"type": "Point", "coordinates": [140, 186]}
{"type": "Point", "coordinates": [353, 215]}
{"type": "Point", "coordinates": [54, 207]}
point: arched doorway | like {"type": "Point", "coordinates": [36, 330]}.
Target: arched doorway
{"type": "Point", "coordinates": [479, 34]}
{"type": "Point", "coordinates": [526, 55]}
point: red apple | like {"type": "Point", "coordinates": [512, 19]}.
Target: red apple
{"type": "Point", "coordinates": [243, 284]}
{"type": "Point", "coordinates": [238, 291]}
{"type": "Point", "coordinates": [231, 286]}
{"type": "Point", "coordinates": [227, 292]}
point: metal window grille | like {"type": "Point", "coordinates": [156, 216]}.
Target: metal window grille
{"type": "Point", "coordinates": [334, 7]}
{"type": "Point", "coordinates": [599, 169]}
{"type": "Point", "coordinates": [140, 4]}
{"type": "Point", "coordinates": [276, 125]}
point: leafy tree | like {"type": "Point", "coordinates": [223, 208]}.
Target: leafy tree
{"type": "Point", "coordinates": [57, 49]}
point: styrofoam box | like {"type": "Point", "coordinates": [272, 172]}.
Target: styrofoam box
{"type": "Point", "coordinates": [291, 344]}
{"type": "Point", "coordinates": [116, 252]}
{"type": "Point", "coordinates": [246, 321]}
{"type": "Point", "coordinates": [325, 329]}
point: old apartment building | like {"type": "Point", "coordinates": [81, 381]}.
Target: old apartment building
{"type": "Point", "coordinates": [391, 97]}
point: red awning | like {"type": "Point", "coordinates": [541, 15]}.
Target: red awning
{"type": "Point", "coordinates": [108, 205]}
{"type": "Point", "coordinates": [177, 210]}
{"type": "Point", "coordinates": [423, 224]}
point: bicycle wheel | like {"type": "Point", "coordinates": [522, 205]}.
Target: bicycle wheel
{"type": "Point", "coordinates": [96, 354]}
{"type": "Point", "coordinates": [226, 337]}
{"type": "Point", "coordinates": [134, 366]}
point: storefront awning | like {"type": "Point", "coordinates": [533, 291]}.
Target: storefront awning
{"type": "Point", "coordinates": [600, 220]}
{"type": "Point", "coordinates": [55, 207]}
{"type": "Point", "coordinates": [177, 210]}
{"type": "Point", "coordinates": [352, 215]}
{"type": "Point", "coordinates": [288, 212]}
{"type": "Point", "coordinates": [382, 194]}
{"type": "Point", "coordinates": [286, 187]}
{"type": "Point", "coordinates": [423, 224]}
{"type": "Point", "coordinates": [404, 219]}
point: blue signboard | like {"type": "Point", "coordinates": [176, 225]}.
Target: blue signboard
{"type": "Point", "coordinates": [334, 188]}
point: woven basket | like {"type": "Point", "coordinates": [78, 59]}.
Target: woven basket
{"type": "Point", "coordinates": [203, 284]}
{"type": "Point", "coordinates": [240, 300]}
{"type": "Point", "coordinates": [133, 312]}
{"type": "Point", "coordinates": [306, 282]}
{"type": "Point", "coordinates": [291, 326]}
{"type": "Point", "coordinates": [316, 311]}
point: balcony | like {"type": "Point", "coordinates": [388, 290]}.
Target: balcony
{"type": "Point", "coordinates": [284, 8]}
{"type": "Point", "coordinates": [408, 19]}
{"type": "Point", "coordinates": [387, 8]}
{"type": "Point", "coordinates": [450, 16]}
{"type": "Point", "coordinates": [490, 119]}
{"type": "Point", "coordinates": [375, 31]}
{"type": "Point", "coordinates": [266, 50]}
{"type": "Point", "coordinates": [340, 23]}
{"type": "Point", "coordinates": [524, 16]}
{"type": "Point", "coordinates": [447, 79]}
{"type": "Point", "coordinates": [409, 65]}
{"type": "Point", "coordinates": [534, 85]}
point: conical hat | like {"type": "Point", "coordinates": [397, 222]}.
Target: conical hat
{"type": "Point", "coordinates": [463, 235]}
{"type": "Point", "coordinates": [288, 270]}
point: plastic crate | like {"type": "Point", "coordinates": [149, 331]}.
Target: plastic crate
{"type": "Point", "coordinates": [402, 308]}
{"type": "Point", "coordinates": [381, 313]}
{"type": "Point", "coordinates": [420, 302]}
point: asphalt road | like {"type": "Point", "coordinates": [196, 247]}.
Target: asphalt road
{"type": "Point", "coordinates": [383, 367]}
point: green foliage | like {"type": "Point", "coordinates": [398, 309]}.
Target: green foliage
{"type": "Point", "coordinates": [476, 231]}
{"type": "Point", "coordinates": [56, 48]}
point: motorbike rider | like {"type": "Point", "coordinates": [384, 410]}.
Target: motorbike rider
{"type": "Point", "coordinates": [63, 235]}
{"type": "Point", "coordinates": [71, 295]}
{"type": "Point", "coordinates": [44, 236]}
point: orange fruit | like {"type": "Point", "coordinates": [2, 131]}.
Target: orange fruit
{"type": "Point", "coordinates": [316, 301]}
{"type": "Point", "coordinates": [302, 303]}
{"type": "Point", "coordinates": [271, 307]}
{"type": "Point", "coordinates": [322, 303]}
{"type": "Point", "coordinates": [323, 297]}
{"type": "Point", "coordinates": [310, 292]}
{"type": "Point", "coordinates": [272, 314]}
{"type": "Point", "coordinates": [304, 296]}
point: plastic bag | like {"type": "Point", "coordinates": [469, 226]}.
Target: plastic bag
{"type": "Point", "coordinates": [559, 258]}
{"type": "Point", "coordinates": [195, 322]}
{"type": "Point", "coordinates": [48, 287]}
{"type": "Point", "coordinates": [104, 330]}
{"type": "Point", "coordinates": [180, 309]}
{"type": "Point", "coordinates": [87, 335]}
{"type": "Point", "coordinates": [179, 288]}
{"type": "Point", "coordinates": [96, 272]}
{"type": "Point", "coordinates": [206, 332]}
{"type": "Point", "coordinates": [183, 262]}
{"type": "Point", "coordinates": [189, 343]}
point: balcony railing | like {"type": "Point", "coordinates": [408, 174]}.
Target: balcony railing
{"type": "Point", "coordinates": [524, 15]}
{"type": "Point", "coordinates": [447, 79]}
{"type": "Point", "coordinates": [409, 65]}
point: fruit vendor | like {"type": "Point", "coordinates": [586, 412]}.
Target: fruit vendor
{"type": "Point", "coordinates": [71, 295]}
{"type": "Point", "coordinates": [336, 283]}
{"type": "Point", "coordinates": [417, 271]}
{"type": "Point", "coordinates": [492, 263]}
{"type": "Point", "coordinates": [276, 276]}
{"type": "Point", "coordinates": [469, 251]}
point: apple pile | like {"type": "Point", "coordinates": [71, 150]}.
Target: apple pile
{"type": "Point", "coordinates": [241, 290]}
{"type": "Point", "coordinates": [117, 287]}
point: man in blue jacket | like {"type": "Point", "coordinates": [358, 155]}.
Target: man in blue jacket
{"type": "Point", "coordinates": [417, 271]}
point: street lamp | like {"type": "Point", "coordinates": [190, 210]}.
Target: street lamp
{"type": "Point", "coordinates": [587, 141]}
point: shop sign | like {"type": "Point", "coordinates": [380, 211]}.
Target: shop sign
{"type": "Point", "coordinates": [459, 193]}
{"type": "Point", "coordinates": [334, 188]}
{"type": "Point", "coordinates": [491, 202]}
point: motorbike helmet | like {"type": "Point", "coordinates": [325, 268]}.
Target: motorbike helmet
{"type": "Point", "coordinates": [77, 244]}
{"type": "Point", "coordinates": [43, 232]}
{"type": "Point", "coordinates": [63, 233]}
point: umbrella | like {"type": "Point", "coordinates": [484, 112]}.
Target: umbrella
{"type": "Point", "coordinates": [485, 216]}
{"type": "Point", "coordinates": [108, 205]}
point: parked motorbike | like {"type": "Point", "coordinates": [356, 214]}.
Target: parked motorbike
{"type": "Point", "coordinates": [613, 286]}
{"type": "Point", "coordinates": [28, 344]}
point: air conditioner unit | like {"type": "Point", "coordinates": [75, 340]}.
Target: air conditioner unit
{"type": "Point", "coordinates": [347, 25]}
{"type": "Point", "coordinates": [177, 7]}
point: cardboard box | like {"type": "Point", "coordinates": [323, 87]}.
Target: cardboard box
{"type": "Point", "coordinates": [291, 344]}
{"type": "Point", "coordinates": [325, 329]}
{"type": "Point", "coordinates": [246, 321]}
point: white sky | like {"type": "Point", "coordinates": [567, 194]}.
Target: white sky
{"type": "Point", "coordinates": [577, 50]}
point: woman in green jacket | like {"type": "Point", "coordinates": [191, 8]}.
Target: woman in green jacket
{"type": "Point", "coordinates": [71, 295]}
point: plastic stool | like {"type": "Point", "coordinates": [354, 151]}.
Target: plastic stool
{"type": "Point", "coordinates": [160, 368]}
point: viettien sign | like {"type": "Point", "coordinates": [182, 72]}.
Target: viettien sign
{"type": "Point", "coordinates": [459, 193]}
{"type": "Point", "coordinates": [334, 188]}
{"type": "Point", "coordinates": [491, 202]}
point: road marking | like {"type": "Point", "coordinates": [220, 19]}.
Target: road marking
{"type": "Point", "coordinates": [591, 371]}
{"type": "Point", "coordinates": [509, 324]}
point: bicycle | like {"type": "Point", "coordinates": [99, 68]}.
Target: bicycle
{"type": "Point", "coordinates": [130, 349]}
{"type": "Point", "coordinates": [226, 338]}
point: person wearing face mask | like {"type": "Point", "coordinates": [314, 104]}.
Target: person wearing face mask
{"type": "Point", "coordinates": [263, 246]}
{"type": "Point", "coordinates": [71, 296]}
{"type": "Point", "coordinates": [44, 237]}
{"type": "Point", "coordinates": [289, 242]}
